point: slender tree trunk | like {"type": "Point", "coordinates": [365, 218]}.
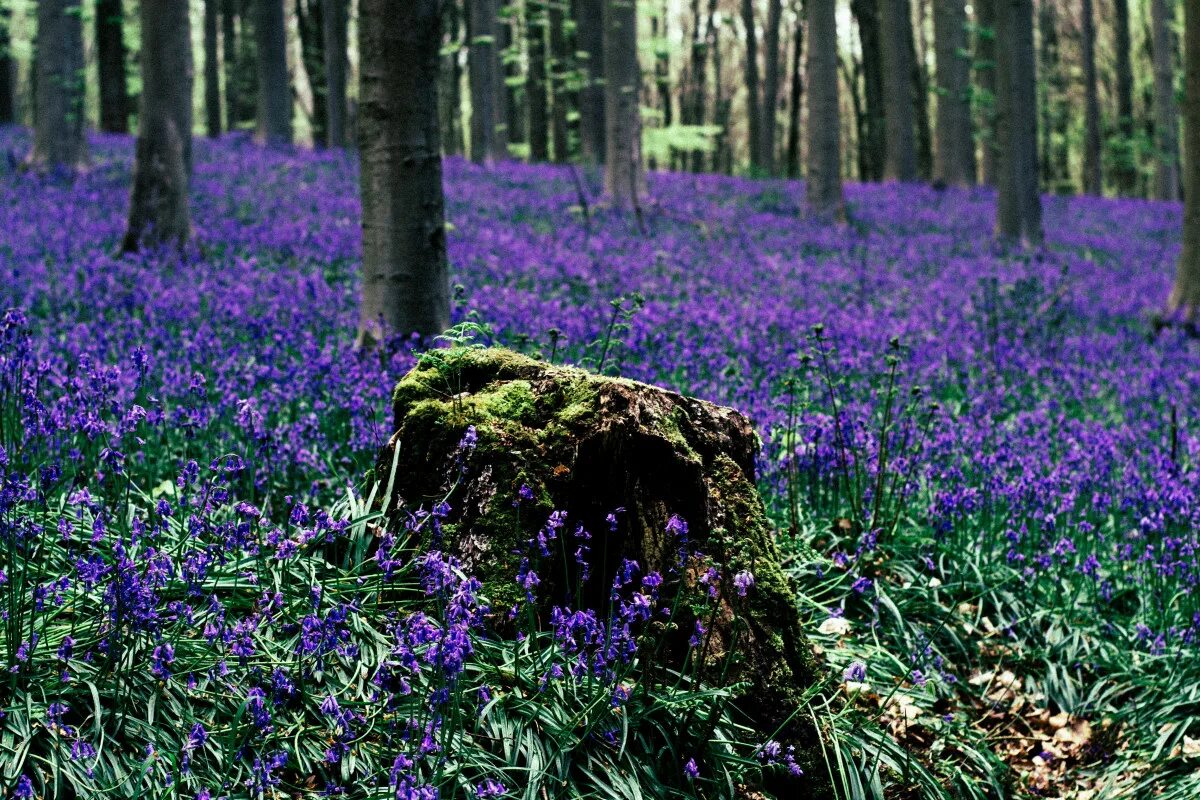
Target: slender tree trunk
{"type": "Point", "coordinates": [334, 17]}
{"type": "Point", "coordinates": [900, 163]}
{"type": "Point", "coordinates": [1126, 171]}
{"type": "Point", "coordinates": [662, 70]}
{"type": "Point", "coordinates": [754, 103]}
{"type": "Point", "coordinates": [920, 101]}
{"type": "Point", "coordinates": [624, 172]}
{"type": "Point", "coordinates": [212, 69]}
{"type": "Point", "coordinates": [406, 284]}
{"type": "Point", "coordinates": [985, 65]}
{"type": "Point", "coordinates": [589, 33]}
{"type": "Point", "coordinates": [873, 143]}
{"type": "Point", "coordinates": [1185, 294]}
{"type": "Point", "coordinates": [229, 48]}
{"type": "Point", "coordinates": [824, 185]}
{"type": "Point", "coordinates": [158, 206]}
{"type": "Point", "coordinates": [247, 62]}
{"type": "Point", "coordinates": [1018, 206]}
{"type": "Point", "coordinates": [560, 98]}
{"type": "Point", "coordinates": [771, 86]}
{"type": "Point", "coordinates": [1048, 70]}
{"type": "Point", "coordinates": [535, 83]}
{"type": "Point", "coordinates": [1166, 124]}
{"type": "Point", "coordinates": [310, 23]}
{"type": "Point", "coordinates": [955, 157]}
{"type": "Point", "coordinates": [795, 98]}
{"type": "Point", "coordinates": [488, 144]}
{"type": "Point", "coordinates": [702, 49]}
{"type": "Point", "coordinates": [449, 97]}
{"type": "Point", "coordinates": [58, 139]}
{"type": "Point", "coordinates": [1092, 183]}
{"type": "Point", "coordinates": [511, 119]}
{"type": "Point", "coordinates": [8, 105]}
{"type": "Point", "coordinates": [110, 62]}
{"type": "Point", "coordinates": [274, 91]}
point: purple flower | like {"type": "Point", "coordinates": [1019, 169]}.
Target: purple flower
{"type": "Point", "coordinates": [691, 770]}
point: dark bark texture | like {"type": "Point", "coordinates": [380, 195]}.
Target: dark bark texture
{"type": "Point", "coordinates": [900, 161]}
{"type": "Point", "coordinates": [58, 140]}
{"type": "Point", "coordinates": [587, 445]}
{"type": "Point", "coordinates": [212, 68]}
{"type": "Point", "coordinates": [230, 51]}
{"type": "Point", "coordinates": [985, 70]}
{"type": "Point", "coordinates": [274, 90]}
{"type": "Point", "coordinates": [589, 33]}
{"type": "Point", "coordinates": [1092, 183]}
{"type": "Point", "coordinates": [158, 207]}
{"type": "Point", "coordinates": [954, 162]}
{"type": "Point", "coordinates": [334, 21]}
{"type": "Point", "coordinates": [770, 102]}
{"type": "Point", "coordinates": [560, 98]}
{"type": "Point", "coordinates": [110, 63]}
{"type": "Point", "coordinates": [1125, 168]}
{"type": "Point", "coordinates": [310, 22]}
{"type": "Point", "coordinates": [1018, 204]}
{"type": "Point", "coordinates": [488, 140]}
{"type": "Point", "coordinates": [624, 172]}
{"type": "Point", "coordinates": [537, 81]}
{"type": "Point", "coordinates": [873, 142]}
{"type": "Point", "coordinates": [1185, 294]}
{"type": "Point", "coordinates": [1166, 119]}
{"type": "Point", "coordinates": [406, 284]}
{"type": "Point", "coordinates": [795, 98]}
{"type": "Point", "coordinates": [824, 185]}
{"type": "Point", "coordinates": [8, 98]}
{"type": "Point", "coordinates": [754, 105]}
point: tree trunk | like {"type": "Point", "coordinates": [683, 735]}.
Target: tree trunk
{"type": "Point", "coordinates": [873, 143]}
{"type": "Point", "coordinates": [406, 284]}
{"type": "Point", "coordinates": [1018, 206]}
{"type": "Point", "coordinates": [449, 98]}
{"type": "Point", "coordinates": [274, 92]}
{"type": "Point", "coordinates": [1092, 183]}
{"type": "Point", "coordinates": [535, 83]}
{"type": "Point", "coordinates": [58, 139]}
{"type": "Point", "coordinates": [589, 33]}
{"type": "Point", "coordinates": [985, 66]}
{"type": "Point", "coordinates": [662, 69]}
{"type": "Point", "coordinates": [334, 13]}
{"type": "Point", "coordinates": [796, 96]}
{"type": "Point", "coordinates": [229, 48]}
{"type": "Point", "coordinates": [624, 176]}
{"type": "Point", "coordinates": [510, 105]}
{"type": "Point", "coordinates": [212, 69]}
{"type": "Point", "coordinates": [560, 98]}
{"type": "Point", "coordinates": [247, 63]}
{"type": "Point", "coordinates": [1185, 294]}
{"type": "Point", "coordinates": [753, 90]}
{"type": "Point", "coordinates": [8, 105]}
{"type": "Point", "coordinates": [1166, 125]}
{"type": "Point", "coordinates": [955, 158]}
{"type": "Point", "coordinates": [488, 144]}
{"type": "Point", "coordinates": [110, 62]}
{"type": "Point", "coordinates": [900, 162]}
{"type": "Point", "coordinates": [158, 206]}
{"type": "Point", "coordinates": [824, 185]}
{"type": "Point", "coordinates": [920, 101]}
{"type": "Point", "coordinates": [1126, 170]}
{"type": "Point", "coordinates": [310, 24]}
{"type": "Point", "coordinates": [771, 86]}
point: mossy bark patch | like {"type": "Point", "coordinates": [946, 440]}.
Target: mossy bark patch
{"type": "Point", "coordinates": [589, 445]}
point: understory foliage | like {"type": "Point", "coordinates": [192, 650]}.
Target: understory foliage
{"type": "Point", "coordinates": [982, 467]}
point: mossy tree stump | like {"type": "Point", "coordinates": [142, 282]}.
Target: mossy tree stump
{"type": "Point", "coordinates": [587, 445]}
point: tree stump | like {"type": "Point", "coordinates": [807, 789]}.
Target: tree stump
{"type": "Point", "coordinates": [588, 445]}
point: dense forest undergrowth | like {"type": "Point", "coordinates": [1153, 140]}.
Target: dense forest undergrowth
{"type": "Point", "coordinates": [981, 463]}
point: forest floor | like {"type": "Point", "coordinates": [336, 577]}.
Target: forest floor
{"type": "Point", "coordinates": [983, 466]}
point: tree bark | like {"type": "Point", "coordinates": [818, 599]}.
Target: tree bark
{"type": "Point", "coordinates": [754, 104]}
{"type": "Point", "coordinates": [900, 162]}
{"type": "Point", "coordinates": [1184, 299]}
{"type": "Point", "coordinates": [8, 105]}
{"type": "Point", "coordinates": [559, 97]}
{"type": "Point", "coordinates": [229, 48]}
{"type": "Point", "coordinates": [770, 102]}
{"type": "Point", "coordinates": [873, 143]}
{"type": "Point", "coordinates": [535, 83]}
{"type": "Point", "coordinates": [824, 185]}
{"type": "Point", "coordinates": [954, 163]}
{"type": "Point", "coordinates": [158, 206]}
{"type": "Point", "coordinates": [1018, 206]}
{"type": "Point", "coordinates": [920, 100]}
{"type": "Point", "coordinates": [449, 97]}
{"type": "Point", "coordinates": [1126, 171]}
{"type": "Point", "coordinates": [1092, 183]}
{"type": "Point", "coordinates": [1166, 123]}
{"type": "Point", "coordinates": [274, 91]}
{"type": "Point", "coordinates": [110, 62]}
{"type": "Point", "coordinates": [624, 175]}
{"type": "Point", "coordinates": [985, 71]}
{"type": "Point", "coordinates": [212, 69]}
{"type": "Point", "coordinates": [406, 285]}
{"type": "Point", "coordinates": [589, 33]}
{"type": "Point", "coordinates": [334, 14]}
{"type": "Point", "coordinates": [488, 142]}
{"type": "Point", "coordinates": [58, 138]}
{"type": "Point", "coordinates": [310, 23]}
{"type": "Point", "coordinates": [796, 96]}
